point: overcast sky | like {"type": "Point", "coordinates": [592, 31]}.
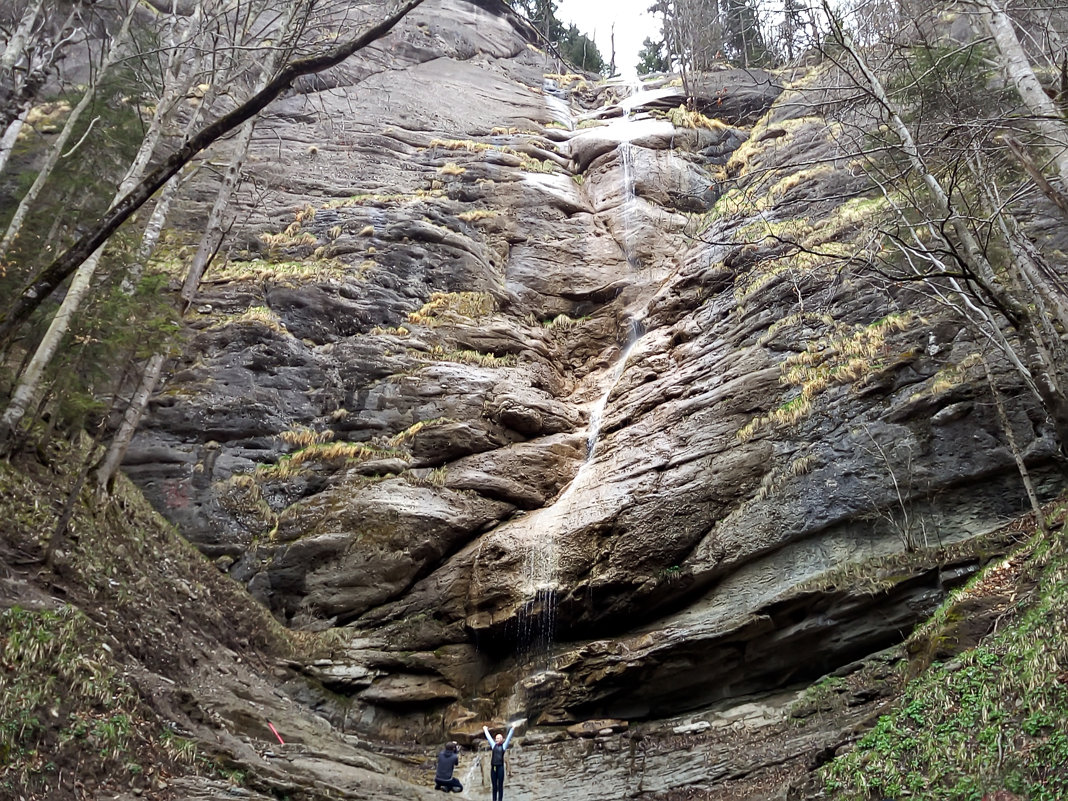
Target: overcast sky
{"type": "Point", "coordinates": [632, 23]}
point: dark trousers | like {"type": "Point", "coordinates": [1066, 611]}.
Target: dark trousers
{"type": "Point", "coordinates": [497, 782]}
{"type": "Point", "coordinates": [448, 785]}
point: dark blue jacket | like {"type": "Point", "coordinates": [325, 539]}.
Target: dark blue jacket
{"type": "Point", "coordinates": [446, 762]}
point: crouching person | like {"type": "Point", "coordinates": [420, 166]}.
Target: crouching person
{"type": "Point", "coordinates": [447, 760]}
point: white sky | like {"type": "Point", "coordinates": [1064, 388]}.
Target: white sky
{"type": "Point", "coordinates": [632, 23]}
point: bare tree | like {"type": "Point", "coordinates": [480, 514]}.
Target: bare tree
{"type": "Point", "coordinates": [137, 190]}
{"type": "Point", "coordinates": [59, 146]}
{"type": "Point", "coordinates": [30, 54]}
{"type": "Point", "coordinates": [900, 516]}
{"type": "Point", "coordinates": [1010, 437]}
{"type": "Point", "coordinates": [51, 276]}
{"type": "Point", "coordinates": [952, 254]}
{"type": "Point", "coordinates": [178, 77]}
{"type": "Point", "coordinates": [215, 226]}
{"type": "Point", "coordinates": [19, 81]}
{"type": "Point", "coordinates": [214, 232]}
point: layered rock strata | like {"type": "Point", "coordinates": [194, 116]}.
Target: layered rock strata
{"type": "Point", "coordinates": [517, 381]}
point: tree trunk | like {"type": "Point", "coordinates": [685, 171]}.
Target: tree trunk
{"type": "Point", "coordinates": [1021, 466]}
{"type": "Point", "coordinates": [59, 533]}
{"type": "Point", "coordinates": [12, 104]}
{"type": "Point", "coordinates": [56, 151]}
{"type": "Point", "coordinates": [1047, 117]}
{"type": "Point", "coordinates": [48, 279]}
{"type": "Point", "coordinates": [131, 419]}
{"type": "Point", "coordinates": [153, 231]}
{"type": "Point", "coordinates": [215, 230]}
{"type": "Point", "coordinates": [10, 137]}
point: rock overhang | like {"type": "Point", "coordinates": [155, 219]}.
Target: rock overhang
{"type": "Point", "coordinates": [548, 254]}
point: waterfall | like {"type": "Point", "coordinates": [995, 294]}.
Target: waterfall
{"type": "Point", "coordinates": [629, 204]}
{"type": "Point", "coordinates": [537, 619]}
{"type": "Point", "coordinates": [539, 530]}
{"type": "Point", "coordinates": [465, 780]}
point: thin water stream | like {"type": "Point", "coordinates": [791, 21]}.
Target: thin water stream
{"type": "Point", "coordinates": [472, 769]}
{"type": "Point", "coordinates": [629, 203]}
{"type": "Point", "coordinates": [537, 619]}
{"type": "Point", "coordinates": [540, 530]}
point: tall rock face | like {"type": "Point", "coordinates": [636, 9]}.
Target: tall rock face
{"type": "Point", "coordinates": [517, 382]}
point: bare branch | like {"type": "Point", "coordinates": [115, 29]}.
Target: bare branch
{"type": "Point", "coordinates": [64, 265]}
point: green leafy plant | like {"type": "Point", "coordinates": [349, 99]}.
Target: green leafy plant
{"type": "Point", "coordinates": [72, 700]}
{"type": "Point", "coordinates": [994, 718]}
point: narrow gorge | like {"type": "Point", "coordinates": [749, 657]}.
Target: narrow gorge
{"type": "Point", "coordinates": [516, 395]}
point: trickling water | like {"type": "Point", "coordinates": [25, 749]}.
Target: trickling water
{"type": "Point", "coordinates": [536, 620]}
{"type": "Point", "coordinates": [629, 204]}
{"type": "Point", "coordinates": [626, 159]}
{"type": "Point", "coordinates": [593, 432]}
{"type": "Point", "coordinates": [465, 780]}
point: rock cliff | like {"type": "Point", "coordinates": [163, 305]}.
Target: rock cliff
{"type": "Point", "coordinates": [513, 380]}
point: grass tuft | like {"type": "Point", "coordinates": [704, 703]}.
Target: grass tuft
{"type": "Point", "coordinates": [682, 117]}
{"type": "Point", "coordinates": [448, 306]}
{"type": "Point", "coordinates": [846, 357]}
{"type": "Point", "coordinates": [253, 315]}
{"type": "Point", "coordinates": [322, 454]}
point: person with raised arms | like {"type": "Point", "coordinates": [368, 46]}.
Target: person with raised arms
{"type": "Point", "coordinates": [499, 745]}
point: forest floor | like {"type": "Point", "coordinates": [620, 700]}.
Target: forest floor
{"type": "Point", "coordinates": [100, 643]}
{"type": "Point", "coordinates": [984, 714]}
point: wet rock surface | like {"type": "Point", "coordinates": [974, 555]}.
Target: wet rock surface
{"type": "Point", "coordinates": [549, 422]}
